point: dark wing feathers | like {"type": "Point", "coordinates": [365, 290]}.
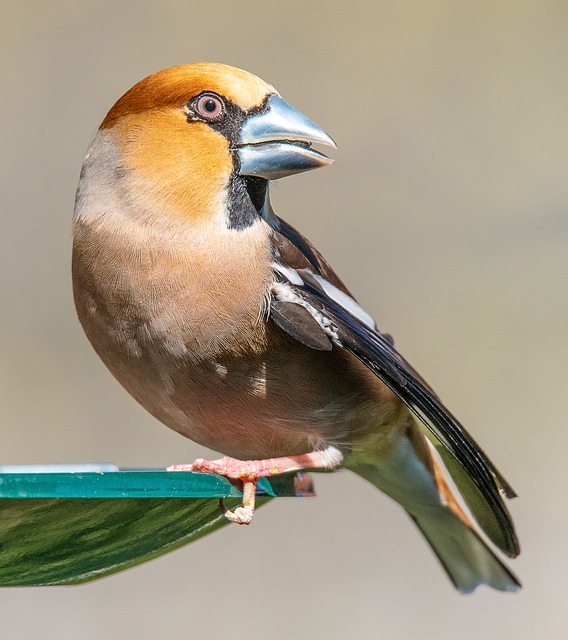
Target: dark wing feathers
{"type": "Point", "coordinates": [298, 322]}
{"type": "Point", "coordinates": [379, 355]}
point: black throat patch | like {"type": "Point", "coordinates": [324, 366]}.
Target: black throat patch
{"type": "Point", "coordinates": [245, 201]}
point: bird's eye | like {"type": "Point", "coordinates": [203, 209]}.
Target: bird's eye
{"type": "Point", "coordinates": [210, 107]}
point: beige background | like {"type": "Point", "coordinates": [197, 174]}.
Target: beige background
{"type": "Point", "coordinates": [446, 212]}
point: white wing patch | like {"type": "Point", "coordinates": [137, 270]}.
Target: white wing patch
{"type": "Point", "coordinates": [345, 301]}
{"type": "Point", "coordinates": [290, 274]}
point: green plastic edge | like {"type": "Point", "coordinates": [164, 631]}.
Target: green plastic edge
{"type": "Point", "coordinates": [150, 483]}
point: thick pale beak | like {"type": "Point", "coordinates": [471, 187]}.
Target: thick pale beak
{"type": "Point", "coordinates": [277, 142]}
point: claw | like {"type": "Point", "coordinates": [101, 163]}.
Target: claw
{"type": "Point", "coordinates": [180, 467]}
{"type": "Point", "coordinates": [244, 513]}
{"type": "Point", "coordinates": [241, 515]}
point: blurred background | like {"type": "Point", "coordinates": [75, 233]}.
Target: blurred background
{"type": "Point", "coordinates": [446, 212]}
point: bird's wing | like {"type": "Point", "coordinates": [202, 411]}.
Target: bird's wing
{"type": "Point", "coordinates": [306, 281]}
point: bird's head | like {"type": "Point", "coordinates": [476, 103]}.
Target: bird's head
{"type": "Point", "coordinates": [199, 132]}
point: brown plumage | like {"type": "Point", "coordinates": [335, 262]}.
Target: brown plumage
{"type": "Point", "coordinates": [230, 328]}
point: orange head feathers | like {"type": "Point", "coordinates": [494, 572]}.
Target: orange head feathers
{"type": "Point", "coordinates": [174, 87]}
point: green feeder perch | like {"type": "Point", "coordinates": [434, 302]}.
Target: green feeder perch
{"type": "Point", "coordinates": [69, 524]}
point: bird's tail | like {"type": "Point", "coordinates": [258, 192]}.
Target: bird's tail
{"type": "Point", "coordinates": [412, 477]}
{"type": "Point", "coordinates": [468, 561]}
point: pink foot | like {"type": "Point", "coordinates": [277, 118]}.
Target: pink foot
{"type": "Point", "coordinates": [249, 471]}
{"type": "Point", "coordinates": [235, 469]}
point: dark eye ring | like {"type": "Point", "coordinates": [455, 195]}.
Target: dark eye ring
{"type": "Point", "coordinates": [209, 106]}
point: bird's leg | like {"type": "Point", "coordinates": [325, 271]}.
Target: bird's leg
{"type": "Point", "coordinates": [249, 472]}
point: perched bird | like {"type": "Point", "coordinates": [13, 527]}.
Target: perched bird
{"type": "Point", "coordinates": [229, 327]}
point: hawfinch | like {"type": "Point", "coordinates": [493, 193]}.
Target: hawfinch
{"type": "Point", "coordinates": [229, 326]}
